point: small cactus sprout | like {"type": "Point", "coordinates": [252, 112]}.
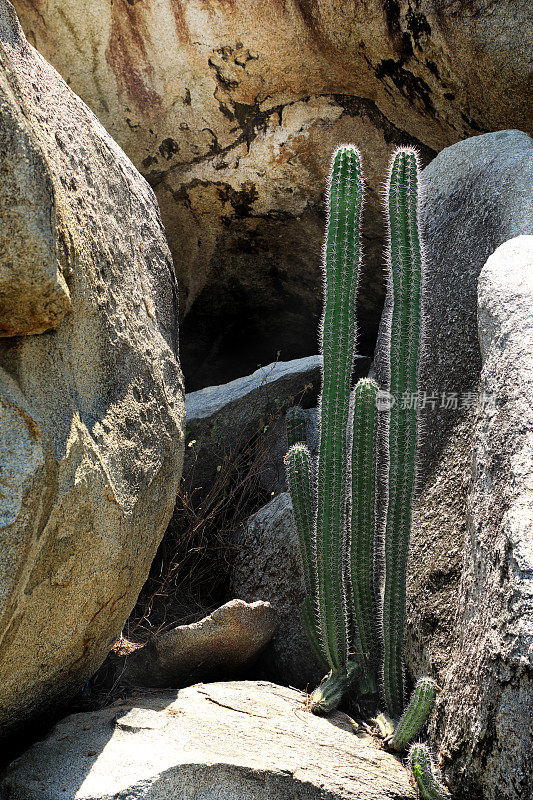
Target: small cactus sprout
{"type": "Point", "coordinates": [295, 419]}
{"type": "Point", "coordinates": [338, 333]}
{"type": "Point", "coordinates": [384, 725]}
{"type": "Point", "coordinates": [403, 324]}
{"type": "Point", "coordinates": [328, 695]}
{"type": "Point", "coordinates": [415, 715]}
{"type": "Point", "coordinates": [298, 464]}
{"type": "Point", "coordinates": [421, 766]}
{"type": "Point", "coordinates": [360, 573]}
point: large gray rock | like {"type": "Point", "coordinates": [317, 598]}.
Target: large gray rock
{"type": "Point", "coordinates": [476, 195]}
{"type": "Point", "coordinates": [222, 420]}
{"type": "Point", "coordinates": [267, 566]}
{"type": "Point", "coordinates": [92, 412]}
{"type": "Point", "coordinates": [220, 741]}
{"type": "Point", "coordinates": [221, 645]}
{"type": "Point", "coordinates": [484, 718]}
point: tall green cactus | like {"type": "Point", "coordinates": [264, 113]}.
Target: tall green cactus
{"type": "Point", "coordinates": [403, 325]}
{"type": "Point", "coordinates": [341, 265]}
{"type": "Point", "coordinates": [338, 546]}
{"type": "Point", "coordinates": [360, 572]}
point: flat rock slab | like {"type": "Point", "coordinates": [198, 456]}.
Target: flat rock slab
{"type": "Point", "coordinates": [220, 741]}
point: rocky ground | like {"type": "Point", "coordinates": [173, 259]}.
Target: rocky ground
{"type": "Point", "coordinates": [221, 740]}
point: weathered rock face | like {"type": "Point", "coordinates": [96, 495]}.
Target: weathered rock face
{"type": "Point", "coordinates": [91, 423]}
{"type": "Point", "coordinates": [476, 197]}
{"type": "Point", "coordinates": [219, 646]}
{"type": "Point", "coordinates": [236, 741]}
{"type": "Point", "coordinates": [232, 110]}
{"type": "Point", "coordinates": [34, 296]}
{"type": "Point", "coordinates": [484, 718]}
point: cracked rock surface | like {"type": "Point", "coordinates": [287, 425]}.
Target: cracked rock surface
{"type": "Point", "coordinates": [231, 110]}
{"type": "Point", "coordinates": [219, 741]}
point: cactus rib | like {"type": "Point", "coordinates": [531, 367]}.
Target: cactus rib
{"type": "Point", "coordinates": [308, 616]}
{"type": "Point", "coordinates": [341, 264]}
{"type": "Point", "coordinates": [405, 284]}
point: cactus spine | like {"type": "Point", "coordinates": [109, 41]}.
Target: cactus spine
{"type": "Point", "coordinates": [360, 574]}
{"type": "Point", "coordinates": [415, 715]}
{"type": "Point", "coordinates": [403, 343]}
{"type": "Point", "coordinates": [341, 264]}
{"type": "Point", "coordinates": [421, 767]}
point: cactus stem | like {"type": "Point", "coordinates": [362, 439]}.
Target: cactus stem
{"type": "Point", "coordinates": [360, 567]}
{"type": "Point", "coordinates": [399, 426]}
{"type": "Point", "coordinates": [420, 764]}
{"type": "Point", "coordinates": [415, 715]}
{"type": "Point", "coordinates": [328, 695]}
{"type": "Point", "coordinates": [338, 333]}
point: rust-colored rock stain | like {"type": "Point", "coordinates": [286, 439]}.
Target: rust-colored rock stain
{"type": "Point", "coordinates": [34, 429]}
{"type": "Point", "coordinates": [182, 32]}
{"type": "Point", "coordinates": [126, 54]}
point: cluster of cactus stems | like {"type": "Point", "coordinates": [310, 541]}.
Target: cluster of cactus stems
{"type": "Point", "coordinates": [353, 517]}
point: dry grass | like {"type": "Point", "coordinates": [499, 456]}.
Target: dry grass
{"type": "Point", "coordinates": [190, 574]}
